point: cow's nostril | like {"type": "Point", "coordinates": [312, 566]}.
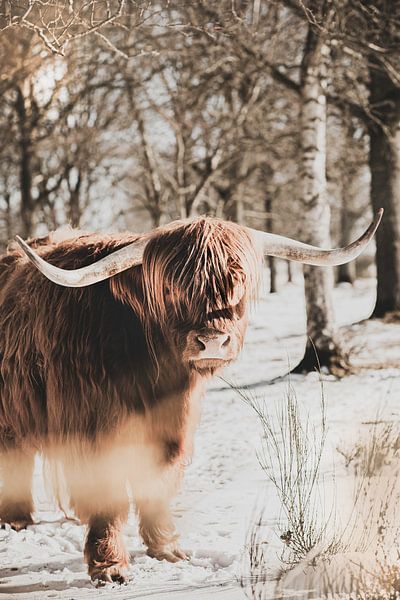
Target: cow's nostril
{"type": "Point", "coordinates": [227, 341]}
{"type": "Point", "coordinates": [202, 345]}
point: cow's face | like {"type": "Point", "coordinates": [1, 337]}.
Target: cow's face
{"type": "Point", "coordinates": [216, 341]}
{"type": "Point", "coordinates": [198, 281]}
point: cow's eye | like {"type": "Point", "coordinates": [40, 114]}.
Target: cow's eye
{"type": "Point", "coordinates": [222, 313]}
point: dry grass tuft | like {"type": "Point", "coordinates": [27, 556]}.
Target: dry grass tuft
{"type": "Point", "coordinates": [320, 558]}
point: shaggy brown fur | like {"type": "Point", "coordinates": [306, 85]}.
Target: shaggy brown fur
{"type": "Point", "coordinates": [99, 379]}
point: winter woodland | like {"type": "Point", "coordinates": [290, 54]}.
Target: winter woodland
{"type": "Point", "coordinates": [282, 115]}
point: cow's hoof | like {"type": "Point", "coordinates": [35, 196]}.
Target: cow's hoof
{"type": "Point", "coordinates": [180, 554]}
{"type": "Point", "coordinates": [115, 574]}
{"type": "Point", "coordinates": [171, 556]}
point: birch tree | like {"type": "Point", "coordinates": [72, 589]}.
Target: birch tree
{"type": "Point", "coordinates": [322, 347]}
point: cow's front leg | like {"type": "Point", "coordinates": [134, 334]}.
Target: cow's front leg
{"type": "Point", "coordinates": [105, 551]}
{"type": "Point", "coordinates": [156, 525]}
{"type": "Point", "coordinates": [157, 529]}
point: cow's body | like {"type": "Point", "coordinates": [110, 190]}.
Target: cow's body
{"type": "Point", "coordinates": [101, 379]}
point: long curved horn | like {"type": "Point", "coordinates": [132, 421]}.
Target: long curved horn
{"type": "Point", "coordinates": [282, 247]}
{"type": "Point", "coordinates": [106, 267]}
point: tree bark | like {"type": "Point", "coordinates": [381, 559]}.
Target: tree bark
{"type": "Point", "coordinates": [75, 211]}
{"type": "Point", "coordinates": [384, 162]}
{"type": "Point", "coordinates": [271, 259]}
{"type": "Point", "coordinates": [25, 160]}
{"type": "Point", "coordinates": [346, 272]}
{"type": "Point", "coordinates": [322, 347]}
{"type": "Point", "coordinates": [289, 271]}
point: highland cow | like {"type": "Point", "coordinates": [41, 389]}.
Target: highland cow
{"type": "Point", "coordinates": [103, 363]}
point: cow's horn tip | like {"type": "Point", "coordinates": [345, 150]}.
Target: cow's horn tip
{"type": "Point", "coordinates": [378, 218]}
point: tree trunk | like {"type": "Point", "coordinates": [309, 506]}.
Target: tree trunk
{"type": "Point", "coordinates": [25, 160]}
{"type": "Point", "coordinates": [289, 271]}
{"type": "Point", "coordinates": [322, 348]}
{"type": "Point", "coordinates": [153, 202]}
{"type": "Point", "coordinates": [7, 200]}
{"type": "Point", "coordinates": [74, 202]}
{"type": "Point", "coordinates": [346, 272]}
{"type": "Point", "coordinates": [271, 259]}
{"type": "Point", "coordinates": [384, 162]}
{"type": "Point", "coordinates": [155, 214]}
{"type": "Point", "coordinates": [272, 275]}
{"type": "Point", "coordinates": [239, 211]}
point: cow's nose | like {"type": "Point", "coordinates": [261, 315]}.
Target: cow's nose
{"type": "Point", "coordinates": [213, 346]}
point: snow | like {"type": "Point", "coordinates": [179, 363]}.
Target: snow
{"type": "Point", "coordinates": [224, 482]}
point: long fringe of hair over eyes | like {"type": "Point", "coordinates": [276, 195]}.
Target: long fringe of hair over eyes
{"type": "Point", "coordinates": [192, 269]}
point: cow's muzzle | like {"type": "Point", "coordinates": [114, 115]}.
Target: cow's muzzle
{"type": "Point", "coordinates": [209, 345]}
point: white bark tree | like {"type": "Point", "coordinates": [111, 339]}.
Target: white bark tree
{"type": "Point", "coordinates": [322, 347]}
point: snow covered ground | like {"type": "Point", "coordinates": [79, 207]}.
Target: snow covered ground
{"type": "Point", "coordinates": [224, 482]}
